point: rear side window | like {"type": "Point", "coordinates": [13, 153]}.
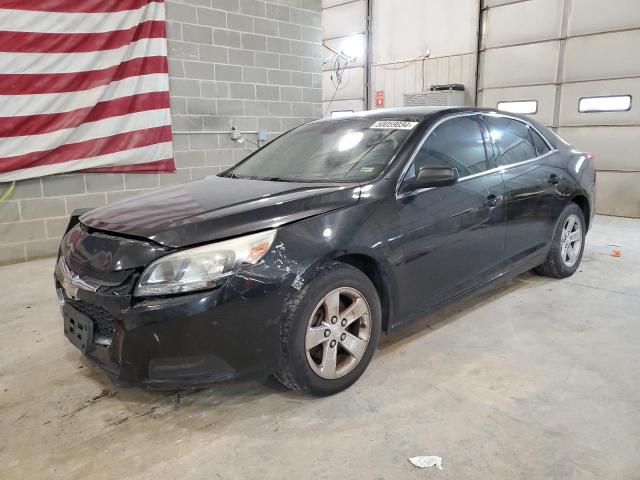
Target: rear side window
{"type": "Point", "coordinates": [539, 143]}
{"type": "Point", "coordinates": [511, 139]}
{"type": "Point", "coordinates": [455, 143]}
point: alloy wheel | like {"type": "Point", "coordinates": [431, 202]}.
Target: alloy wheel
{"type": "Point", "coordinates": [571, 240]}
{"type": "Point", "coordinates": [338, 333]}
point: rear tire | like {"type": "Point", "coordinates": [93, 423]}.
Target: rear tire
{"type": "Point", "coordinates": [330, 332]}
{"type": "Point", "coordinates": [567, 245]}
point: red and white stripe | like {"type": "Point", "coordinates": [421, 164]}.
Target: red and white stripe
{"type": "Point", "coordinates": [83, 85]}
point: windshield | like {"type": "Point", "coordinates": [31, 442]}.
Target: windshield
{"type": "Point", "coordinates": [349, 150]}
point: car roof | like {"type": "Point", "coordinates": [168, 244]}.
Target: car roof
{"type": "Point", "coordinates": [418, 113]}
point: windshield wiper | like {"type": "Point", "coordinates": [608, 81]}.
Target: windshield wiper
{"type": "Point", "coordinates": [264, 179]}
{"type": "Point", "coordinates": [276, 179]}
{"type": "Point", "coordinates": [229, 175]}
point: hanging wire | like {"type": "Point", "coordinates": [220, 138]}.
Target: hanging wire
{"type": "Point", "coordinates": [8, 193]}
{"type": "Point", "coordinates": [251, 141]}
{"type": "Point", "coordinates": [339, 66]}
{"type": "Point", "coordinates": [402, 65]}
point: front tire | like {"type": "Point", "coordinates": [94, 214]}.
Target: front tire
{"type": "Point", "coordinates": [330, 332]}
{"type": "Point", "coordinates": [567, 245]}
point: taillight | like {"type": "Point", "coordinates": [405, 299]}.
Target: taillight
{"type": "Point", "coordinates": [591, 157]}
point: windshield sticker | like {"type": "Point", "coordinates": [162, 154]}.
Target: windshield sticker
{"type": "Point", "coordinates": [367, 169]}
{"type": "Point", "coordinates": [393, 125]}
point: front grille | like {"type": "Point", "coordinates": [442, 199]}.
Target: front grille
{"type": "Point", "coordinates": [103, 321]}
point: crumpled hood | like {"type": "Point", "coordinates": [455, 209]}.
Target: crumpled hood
{"type": "Point", "coordinates": [216, 207]}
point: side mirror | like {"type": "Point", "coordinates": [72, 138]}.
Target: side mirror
{"type": "Point", "coordinates": [429, 177]}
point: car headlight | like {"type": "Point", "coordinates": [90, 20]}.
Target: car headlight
{"type": "Point", "coordinates": [199, 268]}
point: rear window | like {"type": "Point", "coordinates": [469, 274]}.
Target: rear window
{"type": "Point", "coordinates": [540, 144]}
{"type": "Point", "coordinates": [511, 139]}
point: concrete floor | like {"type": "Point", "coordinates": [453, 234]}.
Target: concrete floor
{"type": "Point", "coordinates": [537, 378]}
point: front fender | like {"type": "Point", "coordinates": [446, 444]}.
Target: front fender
{"type": "Point", "coordinates": [302, 249]}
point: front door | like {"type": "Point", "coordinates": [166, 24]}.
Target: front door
{"type": "Point", "coordinates": [453, 236]}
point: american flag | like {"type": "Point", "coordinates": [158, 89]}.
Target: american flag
{"type": "Point", "coordinates": [83, 85]}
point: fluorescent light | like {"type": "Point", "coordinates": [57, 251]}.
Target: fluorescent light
{"type": "Point", "coordinates": [618, 103]}
{"type": "Point", "coordinates": [341, 113]}
{"type": "Point", "coordinates": [524, 106]}
{"type": "Point", "coordinates": [353, 47]}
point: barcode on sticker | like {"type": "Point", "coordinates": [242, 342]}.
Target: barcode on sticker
{"type": "Point", "coordinates": [394, 125]}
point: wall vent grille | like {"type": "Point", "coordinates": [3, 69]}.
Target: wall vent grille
{"type": "Point", "coordinates": [449, 98]}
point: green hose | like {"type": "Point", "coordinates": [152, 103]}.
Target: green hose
{"type": "Point", "coordinates": [8, 193]}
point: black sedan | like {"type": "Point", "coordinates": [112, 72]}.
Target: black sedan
{"type": "Point", "coordinates": [294, 261]}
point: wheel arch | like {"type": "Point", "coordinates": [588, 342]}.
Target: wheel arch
{"type": "Point", "coordinates": [375, 271]}
{"type": "Point", "coordinates": [583, 202]}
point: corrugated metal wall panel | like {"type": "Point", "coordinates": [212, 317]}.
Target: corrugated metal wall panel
{"type": "Point", "coordinates": [404, 32]}
{"type": "Point", "coordinates": [455, 69]}
{"type": "Point", "coordinates": [397, 81]}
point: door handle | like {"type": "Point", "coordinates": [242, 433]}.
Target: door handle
{"type": "Point", "coordinates": [553, 179]}
{"type": "Point", "coordinates": [492, 200]}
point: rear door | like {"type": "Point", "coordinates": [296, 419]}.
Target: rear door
{"type": "Point", "coordinates": [531, 181]}
{"type": "Point", "coordinates": [453, 236]}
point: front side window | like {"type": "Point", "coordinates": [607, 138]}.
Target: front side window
{"type": "Point", "coordinates": [345, 150]}
{"type": "Point", "coordinates": [511, 139]}
{"type": "Point", "coordinates": [455, 143]}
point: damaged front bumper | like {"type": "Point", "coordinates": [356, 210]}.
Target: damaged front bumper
{"type": "Point", "coordinates": [179, 341]}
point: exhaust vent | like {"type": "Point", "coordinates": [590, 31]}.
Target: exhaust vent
{"type": "Point", "coordinates": [438, 96]}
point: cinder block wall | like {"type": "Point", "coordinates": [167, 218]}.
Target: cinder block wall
{"type": "Point", "coordinates": [249, 63]}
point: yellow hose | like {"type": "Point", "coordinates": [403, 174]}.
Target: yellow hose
{"type": "Point", "coordinates": [8, 193]}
